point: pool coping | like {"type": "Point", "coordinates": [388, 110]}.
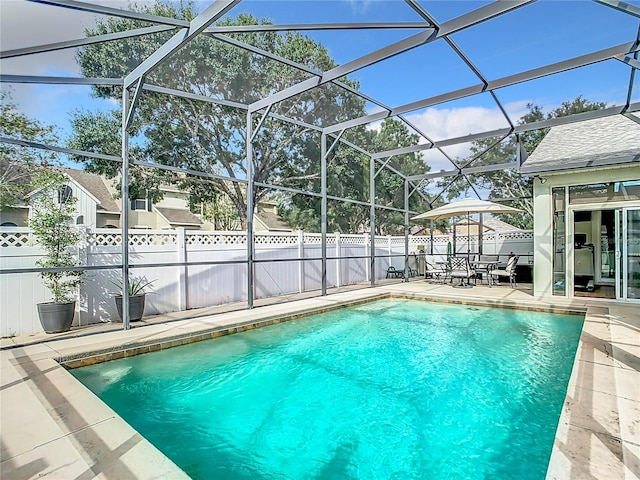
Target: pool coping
{"type": "Point", "coordinates": [76, 414]}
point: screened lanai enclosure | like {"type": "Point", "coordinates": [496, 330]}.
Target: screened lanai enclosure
{"type": "Point", "coordinates": [342, 118]}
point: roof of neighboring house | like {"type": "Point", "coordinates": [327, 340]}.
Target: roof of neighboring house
{"type": "Point", "coordinates": [94, 184]}
{"type": "Point", "coordinates": [176, 216]}
{"type": "Point", "coordinates": [591, 143]}
{"type": "Point", "coordinates": [271, 220]}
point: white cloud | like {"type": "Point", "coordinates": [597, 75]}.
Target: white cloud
{"type": "Point", "coordinates": [445, 123]}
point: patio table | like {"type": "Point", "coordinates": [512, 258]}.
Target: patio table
{"type": "Point", "coordinates": [484, 266]}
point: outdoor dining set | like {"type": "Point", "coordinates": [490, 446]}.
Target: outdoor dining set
{"type": "Point", "coordinates": [466, 269]}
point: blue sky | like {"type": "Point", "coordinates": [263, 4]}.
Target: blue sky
{"type": "Point", "coordinates": [544, 32]}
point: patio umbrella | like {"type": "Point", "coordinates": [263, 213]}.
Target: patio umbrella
{"type": "Point", "coordinates": [465, 207]}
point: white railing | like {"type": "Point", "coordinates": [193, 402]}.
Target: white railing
{"type": "Point", "coordinates": [197, 286]}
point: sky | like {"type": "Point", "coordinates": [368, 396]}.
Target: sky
{"type": "Point", "coordinates": [545, 32]}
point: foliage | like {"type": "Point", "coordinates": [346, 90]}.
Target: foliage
{"type": "Point", "coordinates": [208, 137]}
{"type": "Point", "coordinates": [348, 177]}
{"type": "Point", "coordinates": [54, 233]}
{"type": "Point", "coordinates": [18, 163]}
{"type": "Point", "coordinates": [136, 286]}
{"type": "Point", "coordinates": [509, 183]}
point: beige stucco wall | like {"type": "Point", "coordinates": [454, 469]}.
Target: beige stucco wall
{"type": "Point", "coordinates": [543, 216]}
{"type": "Point", "coordinates": [104, 219]}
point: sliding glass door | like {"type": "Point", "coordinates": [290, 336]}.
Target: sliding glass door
{"type": "Point", "coordinates": [628, 254]}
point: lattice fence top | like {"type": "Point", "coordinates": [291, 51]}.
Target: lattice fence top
{"type": "Point", "coordinates": [215, 238]}
{"type": "Point", "coordinates": [21, 237]}
{"type": "Point", "coordinates": [16, 238]}
{"type": "Point", "coordinates": [275, 239]}
{"type": "Point", "coordinates": [112, 238]}
{"type": "Point", "coordinates": [354, 239]}
{"type": "Point", "coordinates": [519, 234]}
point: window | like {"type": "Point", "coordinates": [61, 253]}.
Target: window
{"type": "Point", "coordinates": [605, 192]}
{"type": "Point", "coordinates": [80, 220]}
{"type": "Point", "coordinates": [142, 204]}
{"type": "Point", "coordinates": [65, 194]}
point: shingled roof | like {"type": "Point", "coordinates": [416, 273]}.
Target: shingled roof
{"type": "Point", "coordinates": [94, 184]}
{"type": "Point", "coordinates": [592, 143]}
{"type": "Point", "coordinates": [271, 220]}
{"type": "Point", "coordinates": [176, 216]}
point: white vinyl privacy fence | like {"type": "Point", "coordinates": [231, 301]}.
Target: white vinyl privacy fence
{"type": "Point", "coordinates": [182, 265]}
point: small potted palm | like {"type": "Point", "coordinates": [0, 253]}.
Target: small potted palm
{"type": "Point", "coordinates": [137, 288]}
{"type": "Point", "coordinates": [51, 224]}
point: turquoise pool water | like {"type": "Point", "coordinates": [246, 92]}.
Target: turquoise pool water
{"type": "Point", "coordinates": [387, 390]}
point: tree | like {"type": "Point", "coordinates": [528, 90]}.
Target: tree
{"type": "Point", "coordinates": [390, 186]}
{"type": "Point", "coordinates": [348, 177]}
{"type": "Point", "coordinates": [52, 228]}
{"type": "Point", "coordinates": [509, 183]}
{"type": "Point", "coordinates": [17, 163]}
{"type": "Point", "coordinates": [209, 137]}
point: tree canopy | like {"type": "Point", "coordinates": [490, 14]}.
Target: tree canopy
{"type": "Point", "coordinates": [210, 137]}
{"type": "Point", "coordinates": [17, 163]}
{"type": "Point", "coordinates": [509, 183]}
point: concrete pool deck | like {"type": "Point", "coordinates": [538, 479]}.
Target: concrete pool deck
{"type": "Point", "coordinates": [53, 427]}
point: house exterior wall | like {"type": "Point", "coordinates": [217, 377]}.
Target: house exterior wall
{"type": "Point", "coordinates": [107, 220]}
{"type": "Point", "coordinates": [19, 216]}
{"type": "Point", "coordinates": [543, 216]}
{"type": "Point", "coordinates": [86, 206]}
{"type": "Point", "coordinates": [173, 199]}
{"type": "Point", "coordinates": [143, 218]}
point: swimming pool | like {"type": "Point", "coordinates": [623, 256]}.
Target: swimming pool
{"type": "Point", "coordinates": [389, 389]}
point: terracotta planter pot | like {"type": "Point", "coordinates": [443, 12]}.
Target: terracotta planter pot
{"type": "Point", "coordinates": [56, 317]}
{"type": "Point", "coordinates": [136, 307]}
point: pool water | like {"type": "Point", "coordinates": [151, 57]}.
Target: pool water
{"type": "Point", "coordinates": [395, 389]}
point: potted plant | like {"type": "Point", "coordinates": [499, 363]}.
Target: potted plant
{"type": "Point", "coordinates": [137, 294]}
{"type": "Point", "coordinates": [51, 224]}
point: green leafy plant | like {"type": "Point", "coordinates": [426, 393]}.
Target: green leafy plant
{"type": "Point", "coordinates": [51, 223]}
{"type": "Point", "coordinates": [137, 286]}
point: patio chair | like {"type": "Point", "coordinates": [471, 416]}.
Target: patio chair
{"type": "Point", "coordinates": [509, 271]}
{"type": "Point", "coordinates": [392, 272]}
{"type": "Point", "coordinates": [461, 268]}
{"type": "Point", "coordinates": [436, 271]}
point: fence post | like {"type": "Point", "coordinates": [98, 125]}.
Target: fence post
{"type": "Point", "coordinates": [390, 250]}
{"type": "Point", "coordinates": [182, 271]}
{"type": "Point", "coordinates": [301, 262]}
{"type": "Point", "coordinates": [367, 254]}
{"type": "Point", "coordinates": [83, 260]}
{"type": "Point", "coordinates": [337, 259]}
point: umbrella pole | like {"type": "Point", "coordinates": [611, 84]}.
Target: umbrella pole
{"type": "Point", "coordinates": [480, 232]}
{"type": "Point", "coordinates": [455, 248]}
{"type": "Point", "coordinates": [431, 235]}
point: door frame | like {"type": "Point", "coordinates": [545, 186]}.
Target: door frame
{"type": "Point", "coordinates": [570, 245]}
{"type": "Point", "coordinates": [622, 254]}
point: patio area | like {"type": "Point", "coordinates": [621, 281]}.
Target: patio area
{"type": "Point", "coordinates": [53, 425]}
